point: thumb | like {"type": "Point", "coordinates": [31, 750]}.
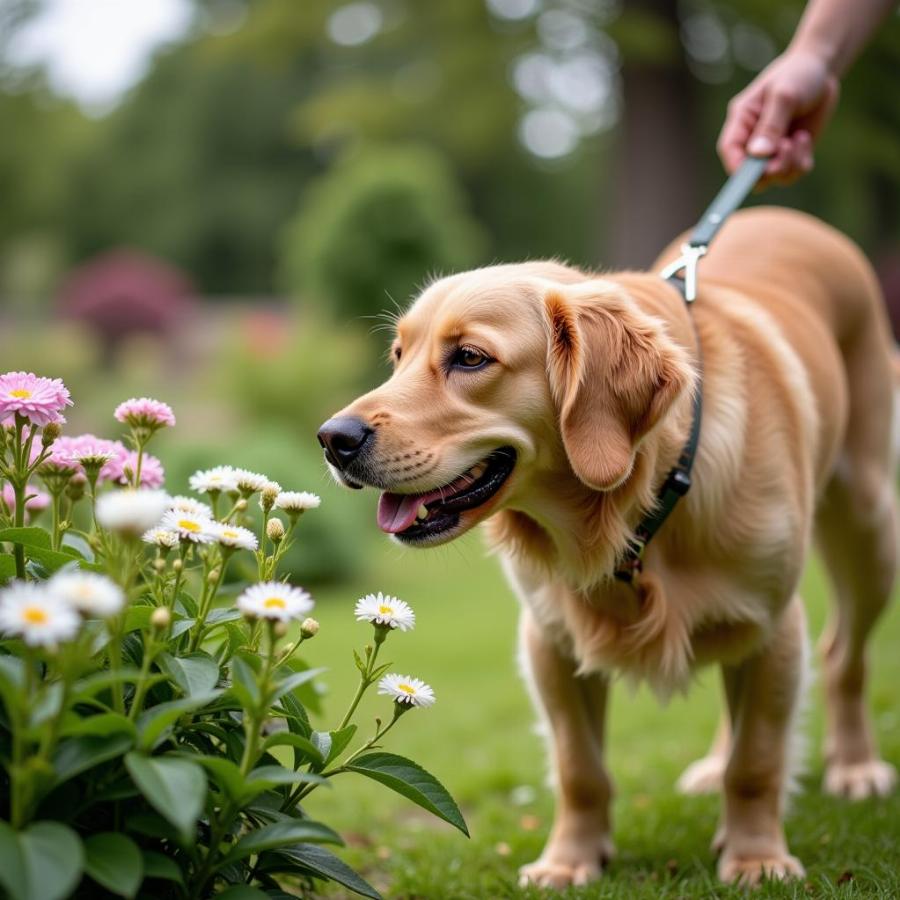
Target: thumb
{"type": "Point", "coordinates": [779, 107]}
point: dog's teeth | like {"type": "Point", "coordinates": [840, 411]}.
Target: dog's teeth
{"type": "Point", "coordinates": [423, 512]}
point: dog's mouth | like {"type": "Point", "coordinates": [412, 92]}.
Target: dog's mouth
{"type": "Point", "coordinates": [414, 518]}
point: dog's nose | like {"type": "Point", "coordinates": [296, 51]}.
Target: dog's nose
{"type": "Point", "coordinates": [343, 438]}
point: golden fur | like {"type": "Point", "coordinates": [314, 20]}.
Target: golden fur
{"type": "Point", "coordinates": [592, 386]}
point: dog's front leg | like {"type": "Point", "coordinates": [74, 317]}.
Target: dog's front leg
{"type": "Point", "coordinates": [575, 709]}
{"type": "Point", "coordinates": [763, 693]}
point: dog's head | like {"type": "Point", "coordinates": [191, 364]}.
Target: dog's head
{"type": "Point", "coordinates": [505, 380]}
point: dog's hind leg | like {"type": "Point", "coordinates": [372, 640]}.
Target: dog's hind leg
{"type": "Point", "coordinates": [575, 708]}
{"type": "Point", "coordinates": [704, 776]}
{"type": "Point", "coordinates": [857, 533]}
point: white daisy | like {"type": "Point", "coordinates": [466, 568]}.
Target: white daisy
{"type": "Point", "coordinates": [131, 512]}
{"type": "Point", "coordinates": [190, 505]}
{"type": "Point", "coordinates": [249, 482]}
{"type": "Point", "coordinates": [219, 478]}
{"type": "Point", "coordinates": [406, 689]}
{"type": "Point", "coordinates": [382, 609]}
{"type": "Point", "coordinates": [274, 600]}
{"type": "Point", "coordinates": [161, 537]}
{"type": "Point", "coordinates": [297, 501]}
{"type": "Point", "coordinates": [35, 613]}
{"type": "Point", "coordinates": [94, 596]}
{"type": "Point", "coordinates": [189, 526]}
{"type": "Point", "coordinates": [234, 536]}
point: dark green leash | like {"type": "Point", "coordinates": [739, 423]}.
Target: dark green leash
{"type": "Point", "coordinates": [678, 481]}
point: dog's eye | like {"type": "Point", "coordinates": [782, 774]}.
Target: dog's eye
{"type": "Point", "coordinates": [469, 358]}
{"type": "Point", "coordinates": [397, 354]}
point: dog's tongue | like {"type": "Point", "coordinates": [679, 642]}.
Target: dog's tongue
{"type": "Point", "coordinates": [396, 512]}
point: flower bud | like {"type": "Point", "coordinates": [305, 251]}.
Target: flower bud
{"type": "Point", "coordinates": [159, 564]}
{"type": "Point", "coordinates": [280, 629]}
{"type": "Point", "coordinates": [75, 488]}
{"type": "Point", "coordinates": [309, 628]}
{"type": "Point", "coordinates": [213, 576]}
{"type": "Point", "coordinates": [268, 496]}
{"type": "Point", "coordinates": [50, 433]}
{"type": "Point", "coordinates": [275, 530]}
{"type": "Point", "coordinates": [161, 618]}
{"type": "Point", "coordinates": [241, 505]}
{"type": "Point", "coordinates": [177, 565]}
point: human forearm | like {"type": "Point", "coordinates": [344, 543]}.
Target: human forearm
{"type": "Point", "coordinates": [836, 31]}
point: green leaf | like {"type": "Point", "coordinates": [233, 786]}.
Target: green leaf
{"type": "Point", "coordinates": [7, 566]}
{"type": "Point", "coordinates": [114, 862]}
{"type": "Point", "coordinates": [29, 537]}
{"type": "Point", "coordinates": [194, 674]}
{"type": "Point", "coordinates": [175, 788]}
{"type": "Point", "coordinates": [333, 743]}
{"type": "Point", "coordinates": [12, 681]}
{"type": "Point", "coordinates": [90, 686]}
{"type": "Point", "coordinates": [413, 782]}
{"type": "Point", "coordinates": [294, 681]}
{"type": "Point", "coordinates": [180, 626]}
{"type": "Point", "coordinates": [224, 772]}
{"type": "Point", "coordinates": [53, 560]}
{"type": "Point", "coordinates": [244, 685]}
{"type": "Point", "coordinates": [298, 742]}
{"type": "Point", "coordinates": [47, 706]}
{"type": "Point", "coordinates": [153, 723]}
{"type": "Point", "coordinates": [280, 834]}
{"type": "Point", "coordinates": [76, 542]}
{"type": "Point", "coordinates": [243, 892]}
{"type": "Point", "coordinates": [221, 616]}
{"type": "Point", "coordinates": [79, 754]}
{"type": "Point", "coordinates": [156, 865]}
{"type": "Point", "coordinates": [265, 777]}
{"type": "Point", "coordinates": [137, 618]}
{"type": "Point", "coordinates": [102, 725]}
{"type": "Point", "coordinates": [322, 862]}
{"type": "Point", "coordinates": [12, 865]}
{"type": "Point", "coordinates": [53, 860]}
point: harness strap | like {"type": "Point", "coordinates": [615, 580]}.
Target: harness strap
{"type": "Point", "coordinates": [676, 483]}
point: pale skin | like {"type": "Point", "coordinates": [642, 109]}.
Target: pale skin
{"type": "Point", "coordinates": [784, 110]}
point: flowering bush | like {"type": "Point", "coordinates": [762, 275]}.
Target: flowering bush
{"type": "Point", "coordinates": [153, 731]}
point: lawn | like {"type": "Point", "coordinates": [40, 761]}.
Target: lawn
{"type": "Point", "coordinates": [480, 741]}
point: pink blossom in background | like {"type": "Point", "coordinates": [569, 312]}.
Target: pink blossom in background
{"type": "Point", "coordinates": [152, 472]}
{"type": "Point", "coordinates": [40, 400]}
{"type": "Point", "coordinates": [39, 501]}
{"type": "Point", "coordinates": [142, 412]}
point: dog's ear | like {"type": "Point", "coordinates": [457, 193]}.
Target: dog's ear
{"type": "Point", "coordinates": [614, 374]}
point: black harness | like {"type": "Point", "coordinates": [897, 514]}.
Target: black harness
{"type": "Point", "coordinates": [677, 483]}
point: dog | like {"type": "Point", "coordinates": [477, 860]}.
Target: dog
{"type": "Point", "coordinates": [551, 403]}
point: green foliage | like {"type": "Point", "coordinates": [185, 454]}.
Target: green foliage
{"type": "Point", "coordinates": [367, 232]}
{"type": "Point", "coordinates": [153, 731]}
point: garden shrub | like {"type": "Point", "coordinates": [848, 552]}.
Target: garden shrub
{"type": "Point", "coordinates": [154, 735]}
{"type": "Point", "coordinates": [367, 230]}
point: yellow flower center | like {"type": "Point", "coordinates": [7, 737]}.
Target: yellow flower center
{"type": "Point", "coordinates": [230, 534]}
{"type": "Point", "coordinates": [20, 393]}
{"type": "Point", "coordinates": [386, 610]}
{"type": "Point", "coordinates": [407, 689]}
{"type": "Point", "coordinates": [34, 615]}
{"type": "Point", "coordinates": [274, 603]}
{"type": "Point", "coordinates": [188, 525]}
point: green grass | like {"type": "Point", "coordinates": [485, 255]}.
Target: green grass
{"type": "Point", "coordinates": [480, 741]}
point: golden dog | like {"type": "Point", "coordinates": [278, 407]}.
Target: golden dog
{"type": "Point", "coordinates": [554, 401]}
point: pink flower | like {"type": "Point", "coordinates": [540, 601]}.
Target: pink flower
{"type": "Point", "coordinates": [60, 458]}
{"type": "Point", "coordinates": [121, 468]}
{"type": "Point", "coordinates": [142, 412]}
{"type": "Point", "coordinates": [36, 503]}
{"type": "Point", "coordinates": [86, 449]}
{"type": "Point", "coordinates": [40, 400]}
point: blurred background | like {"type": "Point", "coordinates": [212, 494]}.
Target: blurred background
{"type": "Point", "coordinates": [208, 201]}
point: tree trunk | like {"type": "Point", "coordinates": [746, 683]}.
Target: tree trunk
{"type": "Point", "coordinates": [657, 168]}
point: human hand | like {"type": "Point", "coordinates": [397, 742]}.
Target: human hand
{"type": "Point", "coordinates": [780, 114]}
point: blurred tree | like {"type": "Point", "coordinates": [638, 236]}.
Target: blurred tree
{"type": "Point", "coordinates": [374, 227]}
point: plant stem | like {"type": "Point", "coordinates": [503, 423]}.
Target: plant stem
{"type": "Point", "coordinates": [140, 689]}
{"type": "Point", "coordinates": [365, 680]}
{"type": "Point", "coordinates": [19, 521]}
{"type": "Point", "coordinates": [55, 506]}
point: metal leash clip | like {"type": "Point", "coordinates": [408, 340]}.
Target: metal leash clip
{"type": "Point", "coordinates": [732, 195]}
{"type": "Point", "coordinates": [690, 256]}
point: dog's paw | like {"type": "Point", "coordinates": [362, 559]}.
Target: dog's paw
{"type": "Point", "coordinates": [561, 865]}
{"type": "Point", "coordinates": [703, 776]}
{"type": "Point", "coordinates": [857, 781]}
{"type": "Point", "coordinates": [750, 871]}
